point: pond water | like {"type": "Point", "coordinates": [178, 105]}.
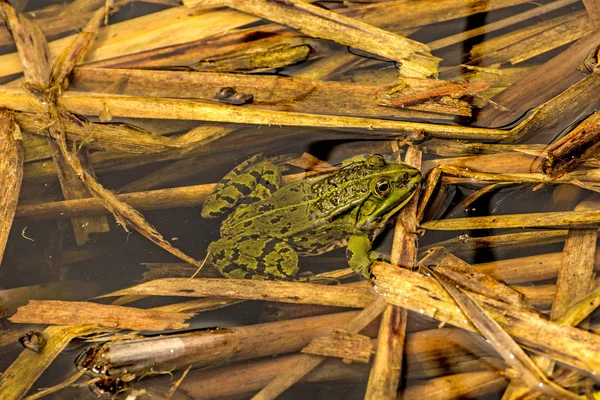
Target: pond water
{"type": "Point", "coordinates": [151, 124]}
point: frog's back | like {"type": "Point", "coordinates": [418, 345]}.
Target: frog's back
{"type": "Point", "coordinates": [297, 207]}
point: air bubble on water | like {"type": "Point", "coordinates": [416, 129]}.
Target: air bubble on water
{"type": "Point", "coordinates": [512, 356]}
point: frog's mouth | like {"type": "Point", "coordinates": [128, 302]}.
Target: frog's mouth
{"type": "Point", "coordinates": [371, 222]}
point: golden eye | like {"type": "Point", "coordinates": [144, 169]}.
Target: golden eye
{"type": "Point", "coordinates": [383, 188]}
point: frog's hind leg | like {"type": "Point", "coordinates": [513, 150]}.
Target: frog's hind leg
{"type": "Point", "coordinates": [254, 179]}
{"type": "Point", "coordinates": [250, 258]}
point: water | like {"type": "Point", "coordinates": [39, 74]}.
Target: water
{"type": "Point", "coordinates": [43, 252]}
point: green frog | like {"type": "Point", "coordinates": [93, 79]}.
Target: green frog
{"type": "Point", "coordinates": [271, 225]}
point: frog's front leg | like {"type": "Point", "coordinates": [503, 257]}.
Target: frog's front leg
{"type": "Point", "coordinates": [252, 257]}
{"type": "Point", "coordinates": [360, 254]}
{"type": "Point", "coordinates": [253, 180]}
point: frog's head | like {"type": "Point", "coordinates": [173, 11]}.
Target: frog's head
{"type": "Point", "coordinates": [391, 185]}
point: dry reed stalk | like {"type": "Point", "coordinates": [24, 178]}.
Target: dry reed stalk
{"type": "Point", "coordinates": [564, 219]}
{"type": "Point", "coordinates": [466, 385]}
{"type": "Point", "coordinates": [184, 196]}
{"type": "Point", "coordinates": [387, 365]}
{"type": "Point", "coordinates": [521, 45]}
{"type": "Point", "coordinates": [117, 161]}
{"type": "Point", "coordinates": [172, 26]}
{"type": "Point", "coordinates": [257, 59]}
{"type": "Point", "coordinates": [593, 9]}
{"type": "Point", "coordinates": [586, 179]}
{"type": "Point", "coordinates": [384, 15]}
{"type": "Point", "coordinates": [540, 85]}
{"type": "Point", "coordinates": [45, 92]}
{"type": "Point", "coordinates": [40, 74]}
{"type": "Point", "coordinates": [221, 45]}
{"type": "Point", "coordinates": [325, 68]}
{"type": "Point", "coordinates": [422, 294]}
{"type": "Point", "coordinates": [392, 15]}
{"type": "Point", "coordinates": [415, 57]}
{"type": "Point", "coordinates": [155, 199]}
{"type": "Point", "coordinates": [465, 245]}
{"type": "Point", "coordinates": [575, 279]}
{"type": "Point", "coordinates": [11, 173]}
{"type": "Point", "coordinates": [506, 271]}
{"type": "Point", "coordinates": [49, 21]}
{"type": "Point", "coordinates": [204, 348]}
{"type": "Point", "coordinates": [405, 95]}
{"type": "Point", "coordinates": [253, 375]}
{"type": "Point", "coordinates": [574, 148]}
{"type": "Point", "coordinates": [54, 312]}
{"type": "Point", "coordinates": [342, 344]}
{"type": "Point", "coordinates": [285, 311]}
{"type": "Point", "coordinates": [428, 354]}
{"type": "Point", "coordinates": [527, 370]}
{"type": "Point", "coordinates": [198, 305]}
{"type": "Point", "coordinates": [539, 296]}
{"type": "Point", "coordinates": [24, 371]}
{"type": "Point", "coordinates": [149, 141]}
{"type": "Point", "coordinates": [522, 270]}
{"type": "Point", "coordinates": [115, 137]}
{"type": "Point", "coordinates": [165, 108]}
{"type": "Point", "coordinates": [74, 189]}
{"type": "Point", "coordinates": [288, 292]}
{"type": "Point", "coordinates": [576, 273]}
{"type": "Point", "coordinates": [269, 91]}
{"type": "Point", "coordinates": [175, 270]}
{"type": "Point", "coordinates": [568, 103]}
{"type": "Point", "coordinates": [10, 299]}
{"type": "Point", "coordinates": [455, 270]}
{"type": "Point", "coordinates": [515, 162]}
{"type": "Point", "coordinates": [309, 362]}
{"type": "Point", "coordinates": [501, 24]}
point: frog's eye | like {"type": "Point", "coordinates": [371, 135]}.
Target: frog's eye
{"type": "Point", "coordinates": [375, 161]}
{"type": "Point", "coordinates": [383, 187]}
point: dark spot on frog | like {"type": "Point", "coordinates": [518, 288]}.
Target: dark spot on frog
{"type": "Point", "coordinates": [228, 199]}
{"type": "Point", "coordinates": [247, 224]}
{"type": "Point", "coordinates": [294, 189]}
{"type": "Point", "coordinates": [243, 189]}
{"type": "Point", "coordinates": [186, 291]}
{"type": "Point", "coordinates": [286, 228]}
{"type": "Point", "coordinates": [271, 188]}
{"type": "Point", "coordinates": [265, 207]}
{"type": "Point", "coordinates": [284, 250]}
{"type": "Point", "coordinates": [255, 174]}
{"type": "Point", "coordinates": [275, 220]}
{"type": "Point", "coordinates": [293, 209]}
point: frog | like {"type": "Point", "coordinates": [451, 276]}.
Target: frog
{"type": "Point", "coordinates": [270, 225]}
